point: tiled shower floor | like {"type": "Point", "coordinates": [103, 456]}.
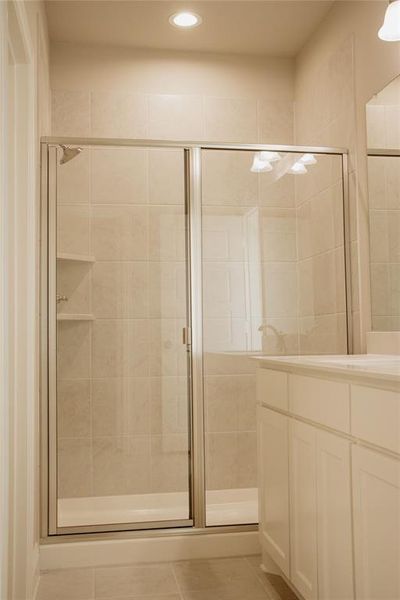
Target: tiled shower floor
{"type": "Point", "coordinates": [217, 579]}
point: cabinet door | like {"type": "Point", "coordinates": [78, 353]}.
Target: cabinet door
{"type": "Point", "coordinates": [335, 556]}
{"type": "Point", "coordinates": [274, 486]}
{"type": "Point", "coordinates": [303, 508]}
{"type": "Point", "coordinates": [376, 492]}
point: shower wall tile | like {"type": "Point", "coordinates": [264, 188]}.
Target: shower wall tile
{"type": "Point", "coordinates": [73, 281]}
{"type": "Point", "coordinates": [167, 233]}
{"type": "Point", "coordinates": [167, 351]}
{"type": "Point", "coordinates": [120, 290]}
{"type": "Point", "coordinates": [119, 176]}
{"type": "Point", "coordinates": [169, 404]}
{"type": "Point", "coordinates": [119, 114]}
{"type": "Point", "coordinates": [221, 461]}
{"type": "Point", "coordinates": [230, 403]}
{"type": "Point", "coordinates": [280, 289]}
{"type": "Point", "coordinates": [121, 348]}
{"type": "Point", "coordinates": [175, 117]}
{"type": "Point", "coordinates": [278, 193]}
{"type": "Point", "coordinates": [121, 406]}
{"type": "Point", "coordinates": [73, 350]}
{"type": "Point", "coordinates": [73, 229]}
{"type": "Point", "coordinates": [121, 465]}
{"type": "Point", "coordinates": [228, 179]}
{"type": "Point", "coordinates": [167, 290]}
{"type": "Point", "coordinates": [74, 467]}
{"type": "Point", "coordinates": [275, 121]}
{"type": "Point", "coordinates": [169, 462]}
{"type": "Point", "coordinates": [73, 408]}
{"type": "Point", "coordinates": [73, 180]}
{"type": "Point", "coordinates": [120, 232]}
{"type": "Point", "coordinates": [71, 113]}
{"type": "Point", "coordinates": [230, 119]}
{"type": "Point", "coordinates": [167, 181]}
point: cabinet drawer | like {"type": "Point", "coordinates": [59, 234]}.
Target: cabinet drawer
{"type": "Point", "coordinates": [272, 388]}
{"type": "Point", "coordinates": [375, 416]}
{"type": "Point", "coordinates": [320, 400]}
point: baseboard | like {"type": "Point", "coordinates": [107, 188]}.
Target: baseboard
{"type": "Point", "coordinates": [95, 553]}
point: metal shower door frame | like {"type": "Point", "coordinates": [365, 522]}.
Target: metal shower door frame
{"type": "Point", "coordinates": [193, 209]}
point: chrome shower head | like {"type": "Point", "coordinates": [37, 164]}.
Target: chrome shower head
{"type": "Point", "coordinates": [69, 153]}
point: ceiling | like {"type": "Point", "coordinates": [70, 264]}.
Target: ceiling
{"type": "Point", "coordinates": [263, 27]}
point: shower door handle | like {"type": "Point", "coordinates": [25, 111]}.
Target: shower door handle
{"type": "Point", "coordinates": [187, 336]}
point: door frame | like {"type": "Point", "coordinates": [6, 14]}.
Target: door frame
{"type": "Point", "coordinates": [193, 196]}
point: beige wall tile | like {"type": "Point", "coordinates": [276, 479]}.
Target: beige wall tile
{"type": "Point", "coordinates": [120, 232]}
{"type": "Point", "coordinates": [230, 119]}
{"type": "Point", "coordinates": [221, 461]}
{"type": "Point", "coordinates": [73, 281]}
{"type": "Point", "coordinates": [280, 289]}
{"type": "Point", "coordinates": [166, 176]}
{"type": "Point", "coordinates": [121, 465]}
{"type": "Point", "coordinates": [120, 348]}
{"type": "Point", "coordinates": [167, 227]}
{"type": "Point", "coordinates": [169, 405]}
{"type": "Point", "coordinates": [119, 114]}
{"type": "Point", "coordinates": [227, 179]}
{"type": "Point", "coordinates": [120, 289]}
{"type": "Point", "coordinates": [121, 406]}
{"type": "Point", "coordinates": [119, 176]}
{"type": "Point", "coordinates": [167, 352]}
{"type": "Point", "coordinates": [71, 113]}
{"type": "Point", "coordinates": [74, 467]}
{"type": "Point", "coordinates": [167, 290]}
{"type": "Point", "coordinates": [169, 463]}
{"type": "Point", "coordinates": [73, 229]}
{"type": "Point", "coordinates": [177, 117]}
{"type": "Point", "coordinates": [73, 408]}
{"type": "Point", "coordinates": [246, 459]}
{"type": "Point", "coordinates": [278, 193]}
{"type": "Point", "coordinates": [275, 121]}
{"type": "Point", "coordinates": [73, 179]}
{"type": "Point", "coordinates": [73, 350]}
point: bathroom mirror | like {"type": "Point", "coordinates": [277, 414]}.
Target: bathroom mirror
{"type": "Point", "coordinates": [383, 138]}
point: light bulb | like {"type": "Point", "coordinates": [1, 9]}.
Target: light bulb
{"type": "Point", "coordinates": [390, 30]}
{"type": "Point", "coordinates": [298, 169]}
{"type": "Point", "coordinates": [185, 19]}
{"type": "Point", "coordinates": [270, 156]}
{"type": "Point", "coordinates": [259, 165]}
{"type": "Point", "coordinates": [308, 159]}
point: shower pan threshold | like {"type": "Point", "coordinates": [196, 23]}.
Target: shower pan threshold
{"type": "Point", "coordinates": [224, 507]}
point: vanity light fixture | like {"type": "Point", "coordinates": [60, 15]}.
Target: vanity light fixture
{"type": "Point", "coordinates": [308, 159]}
{"type": "Point", "coordinates": [270, 156]}
{"type": "Point", "coordinates": [390, 30]}
{"type": "Point", "coordinates": [259, 165]}
{"type": "Point", "coordinates": [186, 20]}
{"type": "Point", "coordinates": [298, 169]}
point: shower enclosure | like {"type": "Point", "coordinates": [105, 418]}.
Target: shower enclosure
{"type": "Point", "coordinates": [166, 266]}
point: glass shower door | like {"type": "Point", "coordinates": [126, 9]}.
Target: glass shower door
{"type": "Point", "coordinates": [121, 423]}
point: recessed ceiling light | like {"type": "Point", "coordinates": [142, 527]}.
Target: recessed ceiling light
{"type": "Point", "coordinates": [185, 19]}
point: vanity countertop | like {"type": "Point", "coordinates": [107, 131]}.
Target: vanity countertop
{"type": "Point", "coordinates": [385, 368]}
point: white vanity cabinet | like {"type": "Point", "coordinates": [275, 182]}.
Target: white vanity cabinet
{"type": "Point", "coordinates": [273, 468]}
{"type": "Point", "coordinates": [329, 495]}
{"type": "Point", "coordinates": [376, 487]}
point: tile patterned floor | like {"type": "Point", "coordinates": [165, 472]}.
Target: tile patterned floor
{"type": "Point", "coordinates": [217, 579]}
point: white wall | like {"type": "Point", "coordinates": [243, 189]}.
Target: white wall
{"type": "Point", "coordinates": [25, 116]}
{"type": "Point", "coordinates": [339, 69]}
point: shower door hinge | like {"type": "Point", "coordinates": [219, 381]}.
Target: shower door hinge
{"type": "Point", "coordinates": [187, 336]}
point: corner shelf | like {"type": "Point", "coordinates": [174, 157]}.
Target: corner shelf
{"type": "Point", "coordinates": [74, 317]}
{"type": "Point", "coordinates": [75, 257]}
